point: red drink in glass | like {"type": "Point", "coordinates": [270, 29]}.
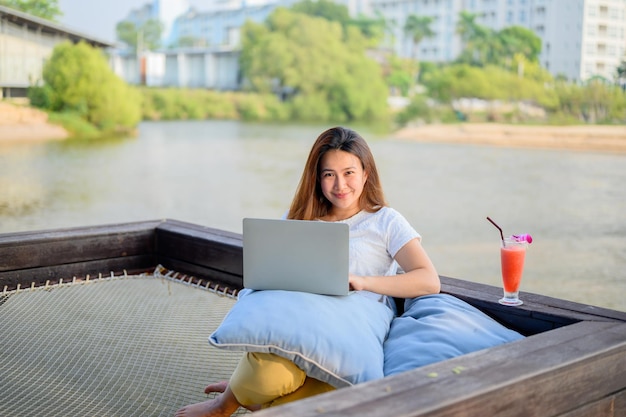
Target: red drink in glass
{"type": "Point", "coordinates": [512, 255]}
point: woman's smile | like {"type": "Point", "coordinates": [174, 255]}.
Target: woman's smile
{"type": "Point", "coordinates": [342, 181]}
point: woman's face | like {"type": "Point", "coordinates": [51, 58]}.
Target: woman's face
{"type": "Point", "coordinates": [342, 181]}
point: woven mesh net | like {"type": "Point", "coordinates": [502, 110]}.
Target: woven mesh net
{"type": "Point", "coordinates": [119, 346]}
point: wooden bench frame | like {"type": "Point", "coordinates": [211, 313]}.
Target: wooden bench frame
{"type": "Point", "coordinates": [572, 364]}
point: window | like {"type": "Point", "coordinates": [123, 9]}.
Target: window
{"type": "Point", "coordinates": [614, 13]}
{"type": "Point", "coordinates": [611, 50]}
{"type": "Point", "coordinates": [592, 11]}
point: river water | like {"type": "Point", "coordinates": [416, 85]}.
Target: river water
{"type": "Point", "coordinates": [214, 173]}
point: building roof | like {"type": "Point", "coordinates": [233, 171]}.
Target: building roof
{"type": "Point", "coordinates": [34, 22]}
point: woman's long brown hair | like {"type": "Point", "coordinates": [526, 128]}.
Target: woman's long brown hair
{"type": "Point", "coordinates": [309, 202]}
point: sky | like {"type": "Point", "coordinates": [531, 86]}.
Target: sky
{"type": "Point", "coordinates": [98, 18]}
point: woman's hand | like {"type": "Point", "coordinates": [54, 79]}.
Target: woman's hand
{"type": "Point", "coordinates": [357, 283]}
{"type": "Point", "coordinates": [419, 277]}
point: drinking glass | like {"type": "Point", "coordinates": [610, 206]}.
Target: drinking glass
{"type": "Point", "coordinates": [512, 255]}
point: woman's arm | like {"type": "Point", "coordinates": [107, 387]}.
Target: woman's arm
{"type": "Point", "coordinates": [419, 278]}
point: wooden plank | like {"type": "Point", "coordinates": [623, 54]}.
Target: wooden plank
{"type": "Point", "coordinates": [540, 303]}
{"type": "Point", "coordinates": [537, 314]}
{"type": "Point", "coordinates": [548, 374]}
{"type": "Point", "coordinates": [48, 248]}
{"type": "Point", "coordinates": [605, 407]}
{"type": "Point", "coordinates": [201, 272]}
{"type": "Point", "coordinates": [195, 231]}
{"type": "Point", "coordinates": [619, 405]}
{"type": "Point", "coordinates": [528, 319]}
{"type": "Point", "coordinates": [214, 249]}
{"type": "Point", "coordinates": [24, 277]}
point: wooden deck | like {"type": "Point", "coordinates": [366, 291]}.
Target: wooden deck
{"type": "Point", "coordinates": [572, 364]}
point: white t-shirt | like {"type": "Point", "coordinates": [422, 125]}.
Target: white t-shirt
{"type": "Point", "coordinates": [375, 238]}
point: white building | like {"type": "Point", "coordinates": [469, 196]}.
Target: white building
{"type": "Point", "coordinates": [214, 68]}
{"type": "Point", "coordinates": [165, 11]}
{"type": "Point", "coordinates": [26, 42]}
{"type": "Point", "coordinates": [580, 38]}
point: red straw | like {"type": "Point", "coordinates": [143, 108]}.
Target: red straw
{"type": "Point", "coordinates": [494, 223]}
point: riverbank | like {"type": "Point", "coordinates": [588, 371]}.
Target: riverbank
{"type": "Point", "coordinates": [22, 123]}
{"type": "Point", "coordinates": [26, 124]}
{"type": "Point", "coordinates": [595, 138]}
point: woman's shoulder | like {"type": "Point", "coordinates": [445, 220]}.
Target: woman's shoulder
{"type": "Point", "coordinates": [380, 219]}
{"type": "Point", "coordinates": [388, 213]}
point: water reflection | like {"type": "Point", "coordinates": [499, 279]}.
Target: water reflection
{"type": "Point", "coordinates": [216, 173]}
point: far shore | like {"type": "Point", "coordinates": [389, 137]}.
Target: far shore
{"type": "Point", "coordinates": [20, 123]}
{"type": "Point", "coordinates": [587, 137]}
{"type": "Point", "coordinates": [25, 124]}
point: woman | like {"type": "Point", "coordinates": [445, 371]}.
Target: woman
{"type": "Point", "coordinates": [340, 183]}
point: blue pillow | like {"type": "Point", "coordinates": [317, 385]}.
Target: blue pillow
{"type": "Point", "coordinates": [335, 339]}
{"type": "Point", "coordinates": [437, 327]}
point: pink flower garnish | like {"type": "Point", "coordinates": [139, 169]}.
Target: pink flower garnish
{"type": "Point", "coordinates": [523, 238]}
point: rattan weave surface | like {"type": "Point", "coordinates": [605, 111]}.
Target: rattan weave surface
{"type": "Point", "coordinates": [125, 346]}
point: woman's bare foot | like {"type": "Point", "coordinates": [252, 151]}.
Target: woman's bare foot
{"type": "Point", "coordinates": [217, 387]}
{"type": "Point", "coordinates": [221, 387]}
{"type": "Point", "coordinates": [210, 408]}
{"type": "Point", "coordinates": [222, 406]}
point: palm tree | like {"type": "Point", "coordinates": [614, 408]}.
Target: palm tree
{"type": "Point", "coordinates": [418, 28]}
{"type": "Point", "coordinates": [477, 40]}
{"type": "Point", "coordinates": [621, 74]}
{"type": "Point", "coordinates": [467, 27]}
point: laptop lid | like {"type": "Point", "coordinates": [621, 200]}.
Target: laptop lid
{"type": "Point", "coordinates": [296, 255]}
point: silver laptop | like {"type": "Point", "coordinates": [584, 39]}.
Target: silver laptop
{"type": "Point", "coordinates": [295, 255]}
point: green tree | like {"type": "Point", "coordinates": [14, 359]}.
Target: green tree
{"type": "Point", "coordinates": [620, 74]}
{"type": "Point", "coordinates": [140, 37]}
{"type": "Point", "coordinates": [326, 9]}
{"type": "Point", "coordinates": [373, 28]}
{"type": "Point", "coordinates": [418, 28]}
{"type": "Point", "coordinates": [488, 83]}
{"type": "Point", "coordinates": [399, 75]}
{"type": "Point", "coordinates": [594, 102]}
{"type": "Point", "coordinates": [467, 28]}
{"type": "Point", "coordinates": [519, 40]}
{"type": "Point", "coordinates": [318, 67]}
{"type": "Point", "coordinates": [78, 79]}
{"type": "Point", "coordinates": [47, 9]}
{"type": "Point", "coordinates": [477, 40]}
{"type": "Point", "coordinates": [483, 46]}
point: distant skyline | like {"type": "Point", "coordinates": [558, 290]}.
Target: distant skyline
{"type": "Point", "coordinates": [98, 18]}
